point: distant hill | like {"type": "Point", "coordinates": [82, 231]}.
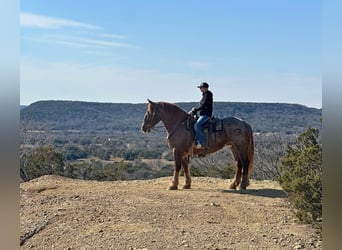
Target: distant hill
{"type": "Point", "coordinates": [95, 135]}
{"type": "Point", "coordinates": [123, 117]}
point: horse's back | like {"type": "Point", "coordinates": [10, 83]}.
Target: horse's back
{"type": "Point", "coordinates": [234, 122]}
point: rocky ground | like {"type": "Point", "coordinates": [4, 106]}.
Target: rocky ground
{"type": "Point", "coordinates": [61, 213]}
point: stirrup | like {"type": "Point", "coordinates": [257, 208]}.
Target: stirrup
{"type": "Point", "coordinates": [199, 146]}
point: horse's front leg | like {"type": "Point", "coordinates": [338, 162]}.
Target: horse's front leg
{"type": "Point", "coordinates": [185, 164]}
{"type": "Point", "coordinates": [177, 167]}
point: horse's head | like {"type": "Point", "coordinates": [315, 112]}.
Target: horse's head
{"type": "Point", "coordinates": [151, 117]}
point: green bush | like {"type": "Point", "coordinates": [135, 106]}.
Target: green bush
{"type": "Point", "coordinates": [227, 172]}
{"type": "Point", "coordinates": [301, 176]}
{"type": "Point", "coordinates": [45, 160]}
{"type": "Point", "coordinates": [74, 152]}
{"type": "Point", "coordinates": [111, 172]}
{"type": "Point", "coordinates": [83, 170]}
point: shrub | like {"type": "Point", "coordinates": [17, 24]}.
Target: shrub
{"type": "Point", "coordinates": [301, 176]}
{"type": "Point", "coordinates": [45, 160]}
{"type": "Point", "coordinates": [73, 152]}
{"type": "Point", "coordinates": [227, 172]}
{"type": "Point", "coordinates": [111, 172]}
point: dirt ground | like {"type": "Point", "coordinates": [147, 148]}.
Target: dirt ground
{"type": "Point", "coordinates": [61, 213]}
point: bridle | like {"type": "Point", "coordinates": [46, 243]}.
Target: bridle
{"type": "Point", "coordinates": [150, 120]}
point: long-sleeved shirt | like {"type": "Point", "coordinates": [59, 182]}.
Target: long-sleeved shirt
{"type": "Point", "coordinates": [206, 104]}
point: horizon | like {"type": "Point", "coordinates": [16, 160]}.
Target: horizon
{"type": "Point", "coordinates": [140, 103]}
{"type": "Point", "coordinates": [126, 52]}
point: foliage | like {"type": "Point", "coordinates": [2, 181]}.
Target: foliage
{"type": "Point", "coordinates": [97, 170]}
{"type": "Point", "coordinates": [111, 172]}
{"type": "Point", "coordinates": [73, 152]}
{"type": "Point", "coordinates": [269, 150]}
{"type": "Point", "coordinates": [79, 171]}
{"type": "Point", "coordinates": [45, 160]}
{"type": "Point", "coordinates": [301, 176]}
{"type": "Point", "coordinates": [196, 171]}
{"type": "Point", "coordinates": [226, 172]}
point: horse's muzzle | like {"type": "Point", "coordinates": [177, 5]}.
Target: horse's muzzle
{"type": "Point", "coordinates": [145, 129]}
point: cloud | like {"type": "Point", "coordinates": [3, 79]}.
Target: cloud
{"type": "Point", "coordinates": [46, 22]}
{"type": "Point", "coordinates": [108, 43]}
{"type": "Point", "coordinates": [82, 35]}
{"type": "Point", "coordinates": [75, 41]}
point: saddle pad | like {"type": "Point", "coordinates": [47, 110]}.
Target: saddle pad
{"type": "Point", "coordinates": [216, 124]}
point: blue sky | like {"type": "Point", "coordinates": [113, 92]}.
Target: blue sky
{"type": "Point", "coordinates": [128, 51]}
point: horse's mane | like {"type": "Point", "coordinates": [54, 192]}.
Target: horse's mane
{"type": "Point", "coordinates": [173, 108]}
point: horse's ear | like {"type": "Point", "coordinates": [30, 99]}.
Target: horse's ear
{"type": "Point", "coordinates": [150, 101]}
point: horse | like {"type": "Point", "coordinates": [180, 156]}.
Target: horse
{"type": "Point", "coordinates": [235, 133]}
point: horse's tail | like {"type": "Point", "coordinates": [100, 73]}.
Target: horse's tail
{"type": "Point", "coordinates": [250, 152]}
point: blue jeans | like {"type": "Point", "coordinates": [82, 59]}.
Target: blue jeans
{"type": "Point", "coordinates": [198, 129]}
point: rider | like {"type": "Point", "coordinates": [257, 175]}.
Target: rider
{"type": "Point", "coordinates": [206, 109]}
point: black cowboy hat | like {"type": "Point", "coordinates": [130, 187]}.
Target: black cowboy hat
{"type": "Point", "coordinates": [203, 85]}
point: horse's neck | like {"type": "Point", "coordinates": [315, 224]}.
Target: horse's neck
{"type": "Point", "coordinates": [172, 116]}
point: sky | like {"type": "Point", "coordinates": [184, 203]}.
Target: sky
{"type": "Point", "coordinates": [130, 50]}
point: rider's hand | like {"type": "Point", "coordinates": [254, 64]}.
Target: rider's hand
{"type": "Point", "coordinates": [192, 111]}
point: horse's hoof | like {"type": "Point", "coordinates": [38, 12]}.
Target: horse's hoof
{"type": "Point", "coordinates": [172, 188]}
{"type": "Point", "coordinates": [186, 186]}
{"type": "Point", "coordinates": [232, 186]}
{"type": "Point", "coordinates": [243, 186]}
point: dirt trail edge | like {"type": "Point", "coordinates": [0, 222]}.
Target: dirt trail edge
{"type": "Point", "coordinates": [62, 213]}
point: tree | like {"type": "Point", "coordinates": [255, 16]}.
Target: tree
{"type": "Point", "coordinates": [45, 160]}
{"type": "Point", "coordinates": [23, 173]}
{"type": "Point", "coordinates": [269, 150]}
{"type": "Point", "coordinates": [213, 165]}
{"type": "Point", "coordinates": [301, 176]}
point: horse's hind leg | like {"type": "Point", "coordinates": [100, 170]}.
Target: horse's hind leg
{"type": "Point", "coordinates": [245, 177]}
{"type": "Point", "coordinates": [185, 164]}
{"type": "Point", "coordinates": [177, 167]}
{"type": "Point", "coordinates": [237, 176]}
{"type": "Point", "coordinates": [238, 170]}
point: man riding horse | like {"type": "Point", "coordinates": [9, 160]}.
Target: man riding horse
{"type": "Point", "coordinates": [206, 109]}
{"type": "Point", "coordinates": [235, 133]}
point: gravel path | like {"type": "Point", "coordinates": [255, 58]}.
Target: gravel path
{"type": "Point", "coordinates": [61, 213]}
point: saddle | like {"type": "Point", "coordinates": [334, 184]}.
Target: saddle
{"type": "Point", "coordinates": [211, 126]}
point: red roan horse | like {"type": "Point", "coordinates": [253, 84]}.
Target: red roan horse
{"type": "Point", "coordinates": [234, 133]}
